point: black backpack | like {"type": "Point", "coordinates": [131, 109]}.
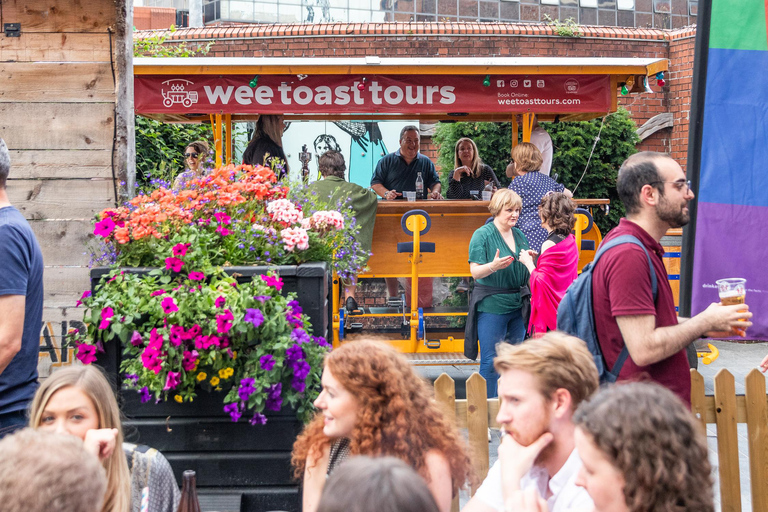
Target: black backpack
{"type": "Point", "coordinates": [576, 316]}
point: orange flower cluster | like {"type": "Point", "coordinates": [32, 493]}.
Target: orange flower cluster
{"type": "Point", "coordinates": [161, 212]}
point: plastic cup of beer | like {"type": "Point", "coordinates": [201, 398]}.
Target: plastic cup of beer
{"type": "Point", "coordinates": [733, 291]}
{"type": "Point", "coordinates": [487, 194]}
{"type": "Point", "coordinates": [410, 196]}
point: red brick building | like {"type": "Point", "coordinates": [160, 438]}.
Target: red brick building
{"type": "Point", "coordinates": [661, 116]}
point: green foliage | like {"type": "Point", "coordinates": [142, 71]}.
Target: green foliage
{"type": "Point", "coordinates": [160, 149]}
{"type": "Point", "coordinates": [155, 46]}
{"type": "Point", "coordinates": [567, 28]}
{"type": "Point", "coordinates": [572, 144]}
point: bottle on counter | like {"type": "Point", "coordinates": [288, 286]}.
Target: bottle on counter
{"type": "Point", "coordinates": [189, 502]}
{"type": "Point", "coordinates": [419, 187]}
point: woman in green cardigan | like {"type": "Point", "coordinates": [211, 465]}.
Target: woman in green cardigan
{"type": "Point", "coordinates": [496, 305]}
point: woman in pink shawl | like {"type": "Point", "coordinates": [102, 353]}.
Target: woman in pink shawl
{"type": "Point", "coordinates": [556, 267]}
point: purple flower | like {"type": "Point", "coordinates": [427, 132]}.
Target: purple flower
{"type": "Point", "coordinates": [267, 362]}
{"type": "Point", "coordinates": [262, 298]}
{"type": "Point", "coordinates": [258, 419]}
{"type": "Point", "coordinates": [224, 321]}
{"type": "Point", "coordinates": [86, 354]}
{"type": "Point", "coordinates": [144, 394]}
{"type": "Point", "coordinates": [173, 264]}
{"type": "Point", "coordinates": [172, 381]}
{"type": "Point", "coordinates": [320, 341]}
{"type": "Point", "coordinates": [246, 389]}
{"type": "Point", "coordinates": [298, 384]}
{"type": "Point", "coordinates": [294, 305]}
{"type": "Point", "coordinates": [220, 301]}
{"type": "Point", "coordinates": [169, 305]}
{"type": "Point", "coordinates": [274, 404]}
{"type": "Point", "coordinates": [136, 339]}
{"type": "Point", "coordinates": [233, 410]}
{"type": "Point", "coordinates": [157, 292]}
{"type": "Point", "coordinates": [301, 369]}
{"type": "Point", "coordinates": [294, 353]}
{"type": "Point", "coordinates": [196, 276]}
{"type": "Point", "coordinates": [254, 316]}
{"type": "Point", "coordinates": [299, 335]}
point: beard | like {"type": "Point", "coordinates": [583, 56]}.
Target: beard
{"type": "Point", "coordinates": [672, 214]}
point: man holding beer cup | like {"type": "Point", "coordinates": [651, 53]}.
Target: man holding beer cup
{"type": "Point", "coordinates": [655, 192]}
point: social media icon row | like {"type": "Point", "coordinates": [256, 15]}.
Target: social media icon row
{"type": "Point", "coordinates": [516, 83]}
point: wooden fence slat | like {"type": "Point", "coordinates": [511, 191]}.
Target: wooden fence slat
{"type": "Point", "coordinates": [477, 425]}
{"type": "Point", "coordinates": [445, 395]}
{"type": "Point", "coordinates": [61, 163]}
{"type": "Point", "coordinates": [698, 399]}
{"type": "Point", "coordinates": [57, 199]}
{"type": "Point", "coordinates": [59, 15]}
{"type": "Point", "coordinates": [77, 82]}
{"type": "Point", "coordinates": [727, 442]}
{"type": "Point", "coordinates": [757, 434]}
{"type": "Point", "coordinates": [35, 47]}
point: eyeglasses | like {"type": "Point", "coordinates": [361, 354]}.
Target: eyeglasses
{"type": "Point", "coordinates": [678, 184]}
{"type": "Point", "coordinates": [191, 155]}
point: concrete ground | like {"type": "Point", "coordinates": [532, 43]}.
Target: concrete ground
{"type": "Point", "coordinates": [737, 358]}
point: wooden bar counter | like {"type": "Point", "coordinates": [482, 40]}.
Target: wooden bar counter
{"type": "Point", "coordinates": [453, 223]}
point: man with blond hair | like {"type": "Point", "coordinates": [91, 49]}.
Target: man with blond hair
{"type": "Point", "coordinates": [541, 383]}
{"type": "Point", "coordinates": [46, 472]}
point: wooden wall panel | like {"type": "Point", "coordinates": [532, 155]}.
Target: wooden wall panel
{"type": "Point", "coordinates": [61, 163]}
{"type": "Point", "coordinates": [54, 351]}
{"type": "Point", "coordinates": [61, 199]}
{"type": "Point", "coordinates": [55, 47]}
{"type": "Point", "coordinates": [64, 285]}
{"type": "Point", "coordinates": [57, 125]}
{"type": "Point", "coordinates": [56, 82]}
{"type": "Point", "coordinates": [59, 15]}
{"type": "Point", "coordinates": [64, 241]}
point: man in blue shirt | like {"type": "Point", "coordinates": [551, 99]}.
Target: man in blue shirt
{"type": "Point", "coordinates": [21, 308]}
{"type": "Point", "coordinates": [397, 171]}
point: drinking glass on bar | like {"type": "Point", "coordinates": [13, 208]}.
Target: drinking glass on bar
{"type": "Point", "coordinates": [733, 291]}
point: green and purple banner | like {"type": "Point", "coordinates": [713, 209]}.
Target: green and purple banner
{"type": "Point", "coordinates": [728, 158]}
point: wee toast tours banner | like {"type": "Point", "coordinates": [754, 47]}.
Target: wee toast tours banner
{"type": "Point", "coordinates": [393, 94]}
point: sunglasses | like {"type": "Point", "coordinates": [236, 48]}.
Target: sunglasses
{"type": "Point", "coordinates": [191, 155]}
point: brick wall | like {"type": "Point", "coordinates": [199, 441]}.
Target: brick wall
{"type": "Point", "coordinates": [153, 18]}
{"type": "Point", "coordinates": [681, 50]}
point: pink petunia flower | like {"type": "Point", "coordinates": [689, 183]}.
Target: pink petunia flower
{"type": "Point", "coordinates": [136, 340]}
{"type": "Point", "coordinates": [273, 281]}
{"type": "Point", "coordinates": [106, 314]}
{"type": "Point", "coordinates": [196, 276]}
{"type": "Point", "coordinates": [220, 301]}
{"type": "Point", "coordinates": [173, 264]}
{"type": "Point", "coordinates": [169, 305]}
{"type": "Point", "coordinates": [172, 381]}
{"type": "Point", "coordinates": [104, 227]}
{"type": "Point", "coordinates": [222, 217]}
{"type": "Point", "coordinates": [224, 321]}
{"type": "Point", "coordinates": [157, 292]}
{"type": "Point", "coordinates": [85, 295]}
{"type": "Point", "coordinates": [180, 249]}
{"type": "Point", "coordinates": [86, 354]}
{"type": "Point", "coordinates": [189, 359]}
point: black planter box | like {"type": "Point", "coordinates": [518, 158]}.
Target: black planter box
{"type": "Point", "coordinates": [235, 462]}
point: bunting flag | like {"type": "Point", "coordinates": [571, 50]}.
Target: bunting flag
{"type": "Point", "coordinates": [728, 158]}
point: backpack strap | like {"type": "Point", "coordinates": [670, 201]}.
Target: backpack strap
{"type": "Point", "coordinates": [620, 240]}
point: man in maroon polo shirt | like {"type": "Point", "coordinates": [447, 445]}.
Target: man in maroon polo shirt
{"type": "Point", "coordinates": [655, 193]}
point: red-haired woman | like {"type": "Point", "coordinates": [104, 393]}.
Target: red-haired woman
{"type": "Point", "coordinates": [374, 404]}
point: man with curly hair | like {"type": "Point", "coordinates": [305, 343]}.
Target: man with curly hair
{"type": "Point", "coordinates": [642, 451]}
{"type": "Point", "coordinates": [541, 383]}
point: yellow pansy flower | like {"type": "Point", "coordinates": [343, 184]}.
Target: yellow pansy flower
{"type": "Point", "coordinates": [214, 381]}
{"type": "Point", "coordinates": [201, 376]}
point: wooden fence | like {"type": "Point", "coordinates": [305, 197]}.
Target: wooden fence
{"type": "Point", "coordinates": [725, 409]}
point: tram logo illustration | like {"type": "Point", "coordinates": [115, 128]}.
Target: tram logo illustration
{"type": "Point", "coordinates": [175, 92]}
{"type": "Point", "coordinates": [571, 86]}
